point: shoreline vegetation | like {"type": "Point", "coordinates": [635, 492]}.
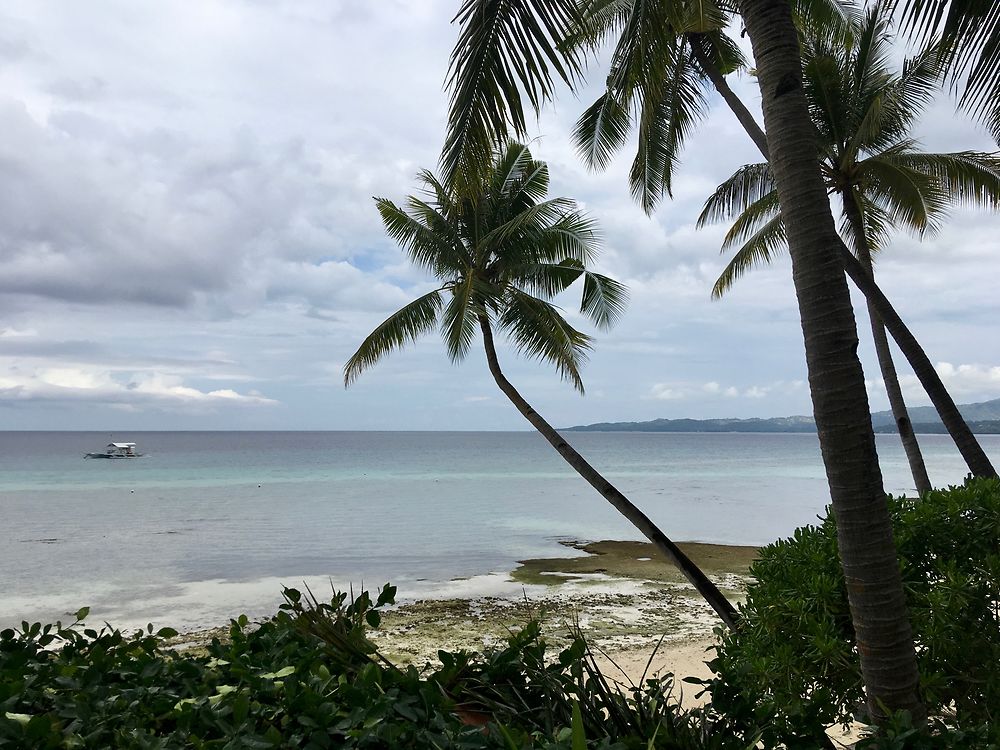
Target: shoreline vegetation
{"type": "Point", "coordinates": [626, 598]}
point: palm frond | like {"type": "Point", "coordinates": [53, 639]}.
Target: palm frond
{"type": "Point", "coordinates": [538, 330]}
{"type": "Point", "coordinates": [701, 16]}
{"type": "Point", "coordinates": [403, 326]}
{"type": "Point", "coordinates": [878, 226]}
{"type": "Point", "coordinates": [967, 177]}
{"type": "Point", "coordinates": [602, 129]}
{"type": "Point", "coordinates": [669, 112]}
{"type": "Point", "coordinates": [433, 248]}
{"type": "Point", "coordinates": [504, 48]}
{"type": "Point", "coordinates": [746, 186]}
{"type": "Point", "coordinates": [759, 250]}
{"type": "Point", "coordinates": [831, 103]}
{"type": "Point", "coordinates": [647, 38]}
{"type": "Point", "coordinates": [970, 32]}
{"type": "Point", "coordinates": [604, 299]}
{"type": "Point", "coordinates": [910, 198]}
{"type": "Point", "coordinates": [527, 222]}
{"type": "Point", "coordinates": [547, 279]}
{"type": "Point", "coordinates": [573, 236]}
{"type": "Point", "coordinates": [751, 220]}
{"type": "Point", "coordinates": [458, 320]}
{"type": "Point", "coordinates": [510, 169]}
{"type": "Point", "coordinates": [833, 19]}
{"type": "Point", "coordinates": [902, 99]}
{"type": "Point", "coordinates": [598, 20]}
{"type": "Point", "coordinates": [725, 54]}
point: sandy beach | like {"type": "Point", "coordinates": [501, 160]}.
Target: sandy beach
{"type": "Point", "coordinates": [638, 613]}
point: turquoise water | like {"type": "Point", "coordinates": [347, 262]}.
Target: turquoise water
{"type": "Point", "coordinates": [208, 524]}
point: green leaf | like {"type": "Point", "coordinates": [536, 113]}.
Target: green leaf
{"type": "Point", "coordinates": [579, 736]}
{"type": "Point", "coordinates": [81, 614]}
{"type": "Point", "coordinates": [166, 633]}
{"type": "Point", "coordinates": [283, 672]}
{"type": "Point", "coordinates": [386, 596]}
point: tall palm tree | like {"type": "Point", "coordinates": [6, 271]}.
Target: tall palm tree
{"type": "Point", "coordinates": [522, 38]}
{"type": "Point", "coordinates": [500, 252]}
{"type": "Point", "coordinates": [840, 405]}
{"type": "Point", "coordinates": [863, 113]}
{"type": "Point", "coordinates": [665, 54]}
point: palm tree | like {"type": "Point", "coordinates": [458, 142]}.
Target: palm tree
{"type": "Point", "coordinates": [521, 36]}
{"type": "Point", "coordinates": [501, 252]}
{"type": "Point", "coordinates": [664, 56]}
{"type": "Point", "coordinates": [863, 113]}
{"type": "Point", "coordinates": [864, 530]}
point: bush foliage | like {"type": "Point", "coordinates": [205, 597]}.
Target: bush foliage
{"type": "Point", "coordinates": [310, 678]}
{"type": "Point", "coordinates": [792, 668]}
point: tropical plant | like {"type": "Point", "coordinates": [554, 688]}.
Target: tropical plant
{"type": "Point", "coordinates": [791, 670]}
{"type": "Point", "coordinates": [508, 48]}
{"type": "Point", "coordinates": [687, 40]}
{"type": "Point", "coordinates": [310, 677]}
{"type": "Point", "coordinates": [510, 37]}
{"type": "Point", "coordinates": [970, 34]}
{"type": "Point", "coordinates": [863, 113]}
{"type": "Point", "coordinates": [501, 252]}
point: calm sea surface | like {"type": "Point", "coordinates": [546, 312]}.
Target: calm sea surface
{"type": "Point", "coordinates": [207, 525]}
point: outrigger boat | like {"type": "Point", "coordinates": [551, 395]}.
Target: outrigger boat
{"type": "Point", "coordinates": [116, 450]}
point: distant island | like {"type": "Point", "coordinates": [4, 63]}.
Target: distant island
{"type": "Point", "coordinates": [983, 418]}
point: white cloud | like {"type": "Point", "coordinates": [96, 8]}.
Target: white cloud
{"type": "Point", "coordinates": [186, 207]}
{"type": "Point", "coordinates": [712, 390]}
{"type": "Point", "coordinates": [963, 381]}
{"type": "Point", "coordinates": [133, 390]}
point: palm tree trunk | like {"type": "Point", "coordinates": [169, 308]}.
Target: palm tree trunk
{"type": "Point", "coordinates": [622, 504]}
{"type": "Point", "coordinates": [972, 452]}
{"type": "Point", "coordinates": [840, 403]}
{"type": "Point", "coordinates": [885, 363]}
{"type": "Point", "coordinates": [736, 105]}
{"type": "Point", "coordinates": [975, 457]}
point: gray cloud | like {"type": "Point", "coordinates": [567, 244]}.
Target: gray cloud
{"type": "Point", "coordinates": [185, 208]}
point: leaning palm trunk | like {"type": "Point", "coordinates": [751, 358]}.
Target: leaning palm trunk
{"type": "Point", "coordinates": [975, 457]}
{"type": "Point", "coordinates": [965, 441]}
{"type": "Point", "coordinates": [840, 404]}
{"type": "Point", "coordinates": [622, 504]}
{"type": "Point", "coordinates": [885, 363]}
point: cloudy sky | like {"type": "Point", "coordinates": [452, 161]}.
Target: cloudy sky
{"type": "Point", "coordinates": [188, 241]}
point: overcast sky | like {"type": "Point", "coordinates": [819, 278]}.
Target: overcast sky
{"type": "Point", "coordinates": [188, 240]}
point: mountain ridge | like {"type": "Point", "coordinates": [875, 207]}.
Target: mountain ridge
{"type": "Point", "coordinates": [983, 417]}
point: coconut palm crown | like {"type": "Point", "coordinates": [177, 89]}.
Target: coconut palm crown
{"type": "Point", "coordinates": [501, 255]}
{"type": "Point", "coordinates": [863, 113]}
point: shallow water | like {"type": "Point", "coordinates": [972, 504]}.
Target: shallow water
{"type": "Point", "coordinates": [206, 525]}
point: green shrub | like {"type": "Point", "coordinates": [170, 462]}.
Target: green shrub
{"type": "Point", "coordinates": [792, 669]}
{"type": "Point", "coordinates": [310, 678]}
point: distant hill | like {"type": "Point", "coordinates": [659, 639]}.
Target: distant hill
{"type": "Point", "coordinates": [982, 427]}
{"type": "Point", "coordinates": [983, 418]}
{"type": "Point", "coordinates": [775, 424]}
{"type": "Point", "coordinates": [985, 411]}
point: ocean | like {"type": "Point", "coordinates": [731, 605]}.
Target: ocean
{"type": "Point", "coordinates": [208, 525]}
